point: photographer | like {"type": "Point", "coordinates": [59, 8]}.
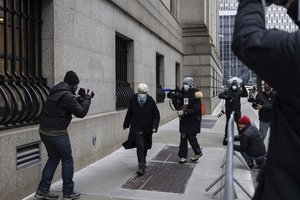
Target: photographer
{"type": "Point", "coordinates": [55, 119]}
{"type": "Point", "coordinates": [232, 97]}
{"type": "Point", "coordinates": [264, 109]}
{"type": "Point", "coordinates": [188, 102]}
{"type": "Point", "coordinates": [274, 56]}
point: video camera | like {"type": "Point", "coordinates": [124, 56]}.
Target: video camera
{"type": "Point", "coordinates": [176, 97]}
{"type": "Point", "coordinates": [81, 92]}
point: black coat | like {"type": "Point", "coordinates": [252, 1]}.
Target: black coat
{"type": "Point", "coordinates": [146, 118]}
{"type": "Point", "coordinates": [59, 107]}
{"type": "Point", "coordinates": [233, 99]}
{"type": "Point", "coordinates": [265, 113]}
{"type": "Point", "coordinates": [190, 122]}
{"type": "Point", "coordinates": [251, 142]}
{"type": "Point", "coordinates": [274, 56]}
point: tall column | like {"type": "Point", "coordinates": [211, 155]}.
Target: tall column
{"type": "Point", "coordinates": [200, 22]}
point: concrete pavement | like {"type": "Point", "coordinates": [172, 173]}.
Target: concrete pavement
{"type": "Point", "coordinates": [105, 179]}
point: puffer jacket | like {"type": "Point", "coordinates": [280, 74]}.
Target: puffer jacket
{"type": "Point", "coordinates": [59, 107]}
{"type": "Point", "coordinates": [251, 142]}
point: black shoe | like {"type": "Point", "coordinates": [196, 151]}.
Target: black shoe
{"type": "Point", "coordinates": [140, 172]}
{"type": "Point", "coordinates": [46, 195]}
{"type": "Point", "coordinates": [73, 196]}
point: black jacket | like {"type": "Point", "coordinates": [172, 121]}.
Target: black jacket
{"type": "Point", "coordinates": [265, 113]}
{"type": "Point", "coordinates": [274, 56]}
{"type": "Point", "coordinates": [233, 99]}
{"type": "Point", "coordinates": [59, 107]}
{"type": "Point", "coordinates": [146, 118]}
{"type": "Point", "coordinates": [190, 121]}
{"type": "Point", "coordinates": [251, 142]}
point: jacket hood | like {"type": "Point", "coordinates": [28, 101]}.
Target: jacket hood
{"type": "Point", "coordinates": [59, 90]}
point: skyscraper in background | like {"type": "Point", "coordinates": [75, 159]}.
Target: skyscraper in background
{"type": "Point", "coordinates": [276, 17]}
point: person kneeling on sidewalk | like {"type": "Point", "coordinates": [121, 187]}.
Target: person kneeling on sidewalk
{"type": "Point", "coordinates": [251, 147]}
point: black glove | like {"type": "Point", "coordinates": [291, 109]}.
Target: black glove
{"type": "Point", "coordinates": [242, 84]}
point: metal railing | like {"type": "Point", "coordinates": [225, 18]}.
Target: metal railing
{"type": "Point", "coordinates": [23, 90]}
{"type": "Point", "coordinates": [123, 94]}
{"type": "Point", "coordinates": [229, 180]}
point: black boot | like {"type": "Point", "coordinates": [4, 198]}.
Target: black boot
{"type": "Point", "coordinates": [141, 170]}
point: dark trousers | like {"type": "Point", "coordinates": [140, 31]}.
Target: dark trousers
{"type": "Point", "coordinates": [237, 116]}
{"type": "Point", "coordinates": [58, 149]}
{"type": "Point", "coordinates": [141, 151]}
{"type": "Point", "coordinates": [183, 146]}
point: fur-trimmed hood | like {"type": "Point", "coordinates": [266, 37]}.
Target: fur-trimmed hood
{"type": "Point", "coordinates": [198, 94]}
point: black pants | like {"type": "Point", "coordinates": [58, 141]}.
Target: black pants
{"type": "Point", "coordinates": [183, 147]}
{"type": "Point", "coordinates": [237, 116]}
{"type": "Point", "coordinates": [141, 151]}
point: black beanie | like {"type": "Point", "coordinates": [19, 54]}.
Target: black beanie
{"type": "Point", "coordinates": [71, 78]}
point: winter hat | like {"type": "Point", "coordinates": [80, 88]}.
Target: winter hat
{"type": "Point", "coordinates": [71, 78]}
{"type": "Point", "coordinates": [142, 88]}
{"type": "Point", "coordinates": [244, 120]}
{"type": "Point", "coordinates": [189, 80]}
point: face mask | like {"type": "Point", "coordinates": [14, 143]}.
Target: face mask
{"type": "Point", "coordinates": [234, 87]}
{"type": "Point", "coordinates": [186, 87]}
{"type": "Point", "coordinates": [142, 97]}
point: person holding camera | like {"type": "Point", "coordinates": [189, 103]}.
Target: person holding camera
{"type": "Point", "coordinates": [264, 109]}
{"type": "Point", "coordinates": [190, 115]}
{"type": "Point", "coordinates": [232, 97]}
{"type": "Point", "coordinates": [274, 56]}
{"type": "Point", "coordinates": [143, 118]}
{"type": "Point", "coordinates": [252, 146]}
{"type": "Point", "coordinates": [55, 119]}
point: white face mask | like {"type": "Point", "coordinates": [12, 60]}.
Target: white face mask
{"type": "Point", "coordinates": [142, 96]}
{"type": "Point", "coordinates": [234, 87]}
{"type": "Point", "coordinates": [186, 87]}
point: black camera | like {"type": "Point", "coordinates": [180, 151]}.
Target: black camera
{"type": "Point", "coordinates": [221, 113]}
{"type": "Point", "coordinates": [176, 97]}
{"type": "Point", "coordinates": [81, 92]}
{"type": "Point", "coordinates": [277, 2]}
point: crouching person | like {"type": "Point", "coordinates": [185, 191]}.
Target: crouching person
{"type": "Point", "coordinates": [251, 145]}
{"type": "Point", "coordinates": [143, 118]}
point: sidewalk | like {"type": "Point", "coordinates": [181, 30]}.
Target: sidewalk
{"type": "Point", "coordinates": [165, 179]}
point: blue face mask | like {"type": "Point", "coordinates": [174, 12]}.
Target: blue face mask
{"type": "Point", "coordinates": [142, 97]}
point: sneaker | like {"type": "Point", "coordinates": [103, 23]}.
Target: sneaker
{"type": "Point", "coordinates": [195, 157]}
{"type": "Point", "coordinates": [73, 196]}
{"type": "Point", "coordinates": [140, 172]}
{"type": "Point", "coordinates": [182, 160]}
{"type": "Point", "coordinates": [46, 195]}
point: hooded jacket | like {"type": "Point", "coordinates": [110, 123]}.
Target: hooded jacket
{"type": "Point", "coordinates": [274, 56]}
{"type": "Point", "coordinates": [59, 107]}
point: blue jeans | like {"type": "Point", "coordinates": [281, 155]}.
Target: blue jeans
{"type": "Point", "coordinates": [58, 149]}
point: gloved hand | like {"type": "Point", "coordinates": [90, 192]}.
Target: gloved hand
{"type": "Point", "coordinates": [242, 84]}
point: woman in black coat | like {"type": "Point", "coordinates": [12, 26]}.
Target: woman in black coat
{"type": "Point", "coordinates": [143, 118]}
{"type": "Point", "coordinates": [189, 120]}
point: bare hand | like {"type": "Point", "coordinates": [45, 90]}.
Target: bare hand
{"type": "Point", "coordinates": [154, 130]}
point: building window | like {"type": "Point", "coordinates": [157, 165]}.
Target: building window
{"type": "Point", "coordinates": [160, 94]}
{"type": "Point", "coordinates": [124, 65]}
{"type": "Point", "coordinates": [177, 75]}
{"type": "Point", "coordinates": [23, 90]}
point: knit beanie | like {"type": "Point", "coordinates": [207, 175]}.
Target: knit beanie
{"type": "Point", "coordinates": [244, 120]}
{"type": "Point", "coordinates": [71, 78]}
{"type": "Point", "coordinates": [142, 88]}
{"type": "Point", "coordinates": [189, 80]}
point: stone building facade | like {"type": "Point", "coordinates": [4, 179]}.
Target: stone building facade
{"type": "Point", "coordinates": [112, 45]}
